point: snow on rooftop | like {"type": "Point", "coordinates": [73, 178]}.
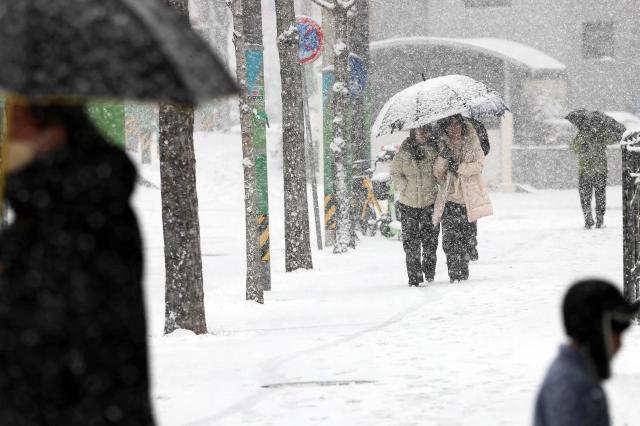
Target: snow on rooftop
{"type": "Point", "coordinates": [529, 57]}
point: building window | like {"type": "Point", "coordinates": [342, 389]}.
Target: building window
{"type": "Point", "coordinates": [487, 3]}
{"type": "Point", "coordinates": [598, 40]}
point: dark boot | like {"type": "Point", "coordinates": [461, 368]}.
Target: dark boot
{"type": "Point", "coordinates": [464, 273]}
{"type": "Point", "coordinates": [599, 222]}
{"type": "Point", "coordinates": [473, 254]}
{"type": "Point", "coordinates": [588, 221]}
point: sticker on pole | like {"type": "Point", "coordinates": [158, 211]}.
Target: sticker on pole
{"type": "Point", "coordinates": [311, 39]}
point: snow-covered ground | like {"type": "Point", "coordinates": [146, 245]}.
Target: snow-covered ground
{"type": "Point", "coordinates": [444, 354]}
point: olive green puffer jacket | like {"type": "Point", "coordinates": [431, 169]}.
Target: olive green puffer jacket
{"type": "Point", "coordinates": [591, 150]}
{"type": "Point", "coordinates": [413, 179]}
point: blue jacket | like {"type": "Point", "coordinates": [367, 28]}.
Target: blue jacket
{"type": "Point", "coordinates": [571, 394]}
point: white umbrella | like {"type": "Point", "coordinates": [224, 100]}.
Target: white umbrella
{"type": "Point", "coordinates": [435, 99]}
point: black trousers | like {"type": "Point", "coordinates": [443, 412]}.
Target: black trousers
{"type": "Point", "coordinates": [456, 234]}
{"type": "Point", "coordinates": [419, 237]}
{"type": "Point", "coordinates": [473, 240]}
{"type": "Point", "coordinates": [588, 183]}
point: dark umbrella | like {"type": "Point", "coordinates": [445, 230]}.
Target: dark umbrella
{"type": "Point", "coordinates": [596, 122]}
{"type": "Point", "coordinates": [578, 118]}
{"type": "Point", "coordinates": [118, 49]}
{"type": "Point", "coordinates": [602, 122]}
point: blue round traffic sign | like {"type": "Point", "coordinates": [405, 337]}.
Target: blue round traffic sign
{"type": "Point", "coordinates": [311, 39]}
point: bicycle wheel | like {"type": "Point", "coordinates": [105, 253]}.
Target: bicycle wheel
{"type": "Point", "coordinates": [373, 222]}
{"type": "Point", "coordinates": [385, 229]}
{"type": "Point", "coordinates": [368, 222]}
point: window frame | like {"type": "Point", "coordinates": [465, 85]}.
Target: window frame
{"type": "Point", "coordinates": [598, 39]}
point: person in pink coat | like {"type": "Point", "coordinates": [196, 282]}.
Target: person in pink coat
{"type": "Point", "coordinates": [462, 196]}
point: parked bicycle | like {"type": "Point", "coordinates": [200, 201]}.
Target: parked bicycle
{"type": "Point", "coordinates": [373, 198]}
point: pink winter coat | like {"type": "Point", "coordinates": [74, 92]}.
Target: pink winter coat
{"type": "Point", "coordinates": [467, 187]}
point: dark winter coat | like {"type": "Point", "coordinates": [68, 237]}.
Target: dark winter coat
{"type": "Point", "coordinates": [72, 324]}
{"type": "Point", "coordinates": [571, 393]}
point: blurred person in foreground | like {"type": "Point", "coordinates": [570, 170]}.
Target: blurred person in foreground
{"type": "Point", "coordinates": [72, 321]}
{"type": "Point", "coordinates": [595, 316]}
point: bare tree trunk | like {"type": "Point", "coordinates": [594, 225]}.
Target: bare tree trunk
{"type": "Point", "coordinates": [339, 146]}
{"type": "Point", "coordinates": [184, 295]}
{"type": "Point", "coordinates": [254, 290]}
{"type": "Point", "coordinates": [296, 225]}
{"type": "Point", "coordinates": [340, 9]}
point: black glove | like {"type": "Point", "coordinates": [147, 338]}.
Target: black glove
{"type": "Point", "coordinates": [446, 153]}
{"type": "Point", "coordinates": [452, 165]}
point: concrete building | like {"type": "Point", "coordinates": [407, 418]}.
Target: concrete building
{"type": "Point", "coordinates": [597, 40]}
{"type": "Point", "coordinates": [546, 57]}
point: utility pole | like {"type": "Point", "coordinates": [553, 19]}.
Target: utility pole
{"type": "Point", "coordinates": [254, 58]}
{"type": "Point", "coordinates": [254, 290]}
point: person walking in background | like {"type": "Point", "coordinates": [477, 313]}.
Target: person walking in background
{"type": "Point", "coordinates": [595, 315]}
{"type": "Point", "coordinates": [411, 172]}
{"type": "Point", "coordinates": [462, 197]}
{"type": "Point", "coordinates": [590, 146]}
{"type": "Point", "coordinates": [72, 320]}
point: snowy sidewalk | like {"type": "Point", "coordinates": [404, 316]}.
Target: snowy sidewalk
{"type": "Point", "coordinates": [445, 354]}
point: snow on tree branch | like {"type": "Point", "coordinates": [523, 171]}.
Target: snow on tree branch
{"type": "Point", "coordinates": [340, 87]}
{"type": "Point", "coordinates": [289, 35]}
{"type": "Point", "coordinates": [339, 48]}
{"type": "Point", "coordinates": [337, 145]}
{"type": "Point", "coordinates": [326, 4]}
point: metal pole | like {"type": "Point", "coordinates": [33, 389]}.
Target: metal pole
{"type": "Point", "coordinates": [311, 159]}
{"type": "Point", "coordinates": [627, 226]}
{"type": "Point", "coordinates": [506, 136]}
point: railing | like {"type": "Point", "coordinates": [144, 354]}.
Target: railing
{"type": "Point", "coordinates": [631, 213]}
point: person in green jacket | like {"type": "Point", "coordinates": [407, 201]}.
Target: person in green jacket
{"type": "Point", "coordinates": [413, 179]}
{"type": "Point", "coordinates": [591, 149]}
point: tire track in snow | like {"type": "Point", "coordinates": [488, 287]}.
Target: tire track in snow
{"type": "Point", "coordinates": [270, 367]}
